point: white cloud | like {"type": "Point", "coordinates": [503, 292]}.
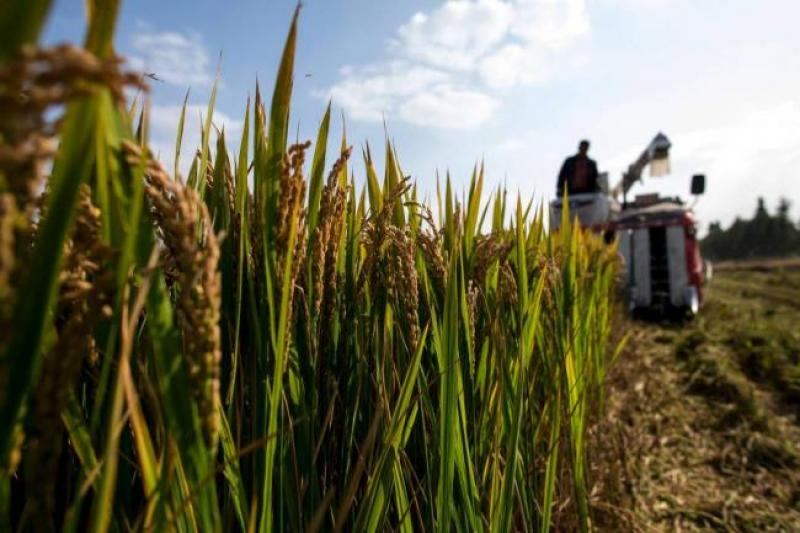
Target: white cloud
{"type": "Point", "coordinates": [446, 107]}
{"type": "Point", "coordinates": [457, 34]}
{"type": "Point", "coordinates": [444, 65]}
{"type": "Point", "coordinates": [514, 65]}
{"type": "Point", "coordinates": [538, 37]}
{"type": "Point", "coordinates": [550, 23]}
{"type": "Point", "coordinates": [367, 93]}
{"type": "Point", "coordinates": [645, 4]}
{"type": "Point", "coordinates": [173, 57]}
{"type": "Point", "coordinates": [414, 94]}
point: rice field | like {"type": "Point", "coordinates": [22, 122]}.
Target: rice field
{"type": "Point", "coordinates": [284, 339]}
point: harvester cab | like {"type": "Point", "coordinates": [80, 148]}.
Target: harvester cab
{"type": "Point", "coordinates": [657, 236]}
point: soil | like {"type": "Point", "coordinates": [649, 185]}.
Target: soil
{"type": "Point", "coordinates": [702, 421]}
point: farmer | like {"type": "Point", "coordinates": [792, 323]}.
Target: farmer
{"type": "Point", "coordinates": [578, 172]}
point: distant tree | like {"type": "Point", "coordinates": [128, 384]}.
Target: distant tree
{"type": "Point", "coordinates": [761, 210]}
{"type": "Point", "coordinates": [784, 205]}
{"type": "Point", "coordinates": [764, 235]}
{"type": "Point", "coordinates": [786, 234]}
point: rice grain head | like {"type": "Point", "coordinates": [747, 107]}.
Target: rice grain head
{"type": "Point", "coordinates": [85, 298]}
{"type": "Point", "coordinates": [327, 233]}
{"type": "Point", "coordinates": [402, 277]}
{"type": "Point", "coordinates": [192, 255]}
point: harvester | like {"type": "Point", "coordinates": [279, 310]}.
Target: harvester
{"type": "Point", "coordinates": [656, 235]}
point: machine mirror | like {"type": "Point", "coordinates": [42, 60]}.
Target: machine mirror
{"type": "Point", "coordinates": [698, 184]}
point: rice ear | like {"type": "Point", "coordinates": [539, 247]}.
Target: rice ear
{"type": "Point", "coordinates": [191, 252]}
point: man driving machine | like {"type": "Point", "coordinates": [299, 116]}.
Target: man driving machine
{"type": "Point", "coordinates": [579, 173]}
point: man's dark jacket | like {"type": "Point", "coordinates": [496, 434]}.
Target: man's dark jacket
{"type": "Point", "coordinates": [568, 171]}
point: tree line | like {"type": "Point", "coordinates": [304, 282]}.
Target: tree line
{"type": "Point", "coordinates": [764, 235]}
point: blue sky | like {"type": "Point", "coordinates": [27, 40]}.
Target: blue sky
{"type": "Point", "coordinates": [514, 82]}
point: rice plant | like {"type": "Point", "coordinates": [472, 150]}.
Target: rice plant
{"type": "Point", "coordinates": [263, 345]}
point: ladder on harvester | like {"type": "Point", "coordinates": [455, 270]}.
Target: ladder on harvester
{"type": "Point", "coordinates": [659, 268]}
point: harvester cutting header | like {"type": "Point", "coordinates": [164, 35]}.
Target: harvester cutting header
{"type": "Point", "coordinates": [657, 235]}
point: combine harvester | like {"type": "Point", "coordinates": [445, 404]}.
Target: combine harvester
{"type": "Point", "coordinates": [657, 236]}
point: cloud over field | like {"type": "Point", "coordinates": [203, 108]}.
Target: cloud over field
{"type": "Point", "coordinates": [446, 68]}
{"type": "Point", "coordinates": [173, 57]}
